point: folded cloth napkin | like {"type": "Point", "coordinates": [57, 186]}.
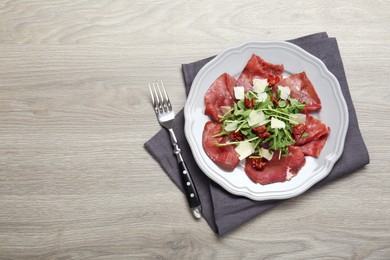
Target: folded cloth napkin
{"type": "Point", "coordinates": [224, 211]}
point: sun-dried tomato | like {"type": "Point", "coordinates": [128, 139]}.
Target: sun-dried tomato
{"type": "Point", "coordinates": [261, 132]}
{"type": "Point", "coordinates": [298, 131]}
{"type": "Point", "coordinates": [249, 102]}
{"type": "Point", "coordinates": [237, 136]}
{"type": "Point", "coordinates": [259, 163]}
{"type": "Point", "coordinates": [265, 135]}
{"type": "Point", "coordinates": [273, 79]}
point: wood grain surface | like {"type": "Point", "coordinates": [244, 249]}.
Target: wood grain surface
{"type": "Point", "coordinates": [75, 179]}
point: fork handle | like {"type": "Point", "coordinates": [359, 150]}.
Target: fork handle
{"type": "Point", "coordinates": [189, 187]}
{"type": "Point", "coordinates": [188, 184]}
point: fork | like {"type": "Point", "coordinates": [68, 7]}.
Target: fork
{"type": "Point", "coordinates": [165, 116]}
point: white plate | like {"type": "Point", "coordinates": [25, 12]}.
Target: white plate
{"type": "Point", "coordinates": [334, 113]}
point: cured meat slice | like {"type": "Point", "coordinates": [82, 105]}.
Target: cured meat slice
{"type": "Point", "coordinates": [219, 94]}
{"type": "Point", "coordinates": [317, 135]}
{"type": "Point", "coordinates": [224, 156]}
{"type": "Point", "coordinates": [277, 170]}
{"type": "Point", "coordinates": [314, 147]}
{"type": "Point", "coordinates": [258, 68]}
{"type": "Point", "coordinates": [302, 89]}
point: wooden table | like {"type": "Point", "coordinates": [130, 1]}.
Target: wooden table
{"type": "Point", "coordinates": [75, 179]}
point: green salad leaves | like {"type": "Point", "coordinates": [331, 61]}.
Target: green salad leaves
{"type": "Point", "coordinates": [262, 122]}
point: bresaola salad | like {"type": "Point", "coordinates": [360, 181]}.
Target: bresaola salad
{"type": "Point", "coordinates": [263, 120]}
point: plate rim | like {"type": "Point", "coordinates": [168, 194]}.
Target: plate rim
{"type": "Point", "coordinates": [324, 72]}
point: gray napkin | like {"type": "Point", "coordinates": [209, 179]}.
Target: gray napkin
{"type": "Point", "coordinates": [224, 211]}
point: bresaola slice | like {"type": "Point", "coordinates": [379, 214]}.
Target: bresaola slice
{"type": "Point", "coordinates": [318, 132]}
{"type": "Point", "coordinates": [314, 147]}
{"type": "Point", "coordinates": [277, 170]}
{"type": "Point", "coordinates": [302, 89]}
{"type": "Point", "coordinates": [256, 67]}
{"type": "Point", "coordinates": [224, 156]}
{"type": "Point", "coordinates": [219, 94]}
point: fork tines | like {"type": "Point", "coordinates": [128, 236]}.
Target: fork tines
{"type": "Point", "coordinates": [160, 102]}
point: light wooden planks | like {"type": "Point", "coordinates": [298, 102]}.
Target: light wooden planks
{"type": "Point", "coordinates": [75, 180]}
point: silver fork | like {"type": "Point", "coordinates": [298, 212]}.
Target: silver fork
{"type": "Point", "coordinates": [165, 115]}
